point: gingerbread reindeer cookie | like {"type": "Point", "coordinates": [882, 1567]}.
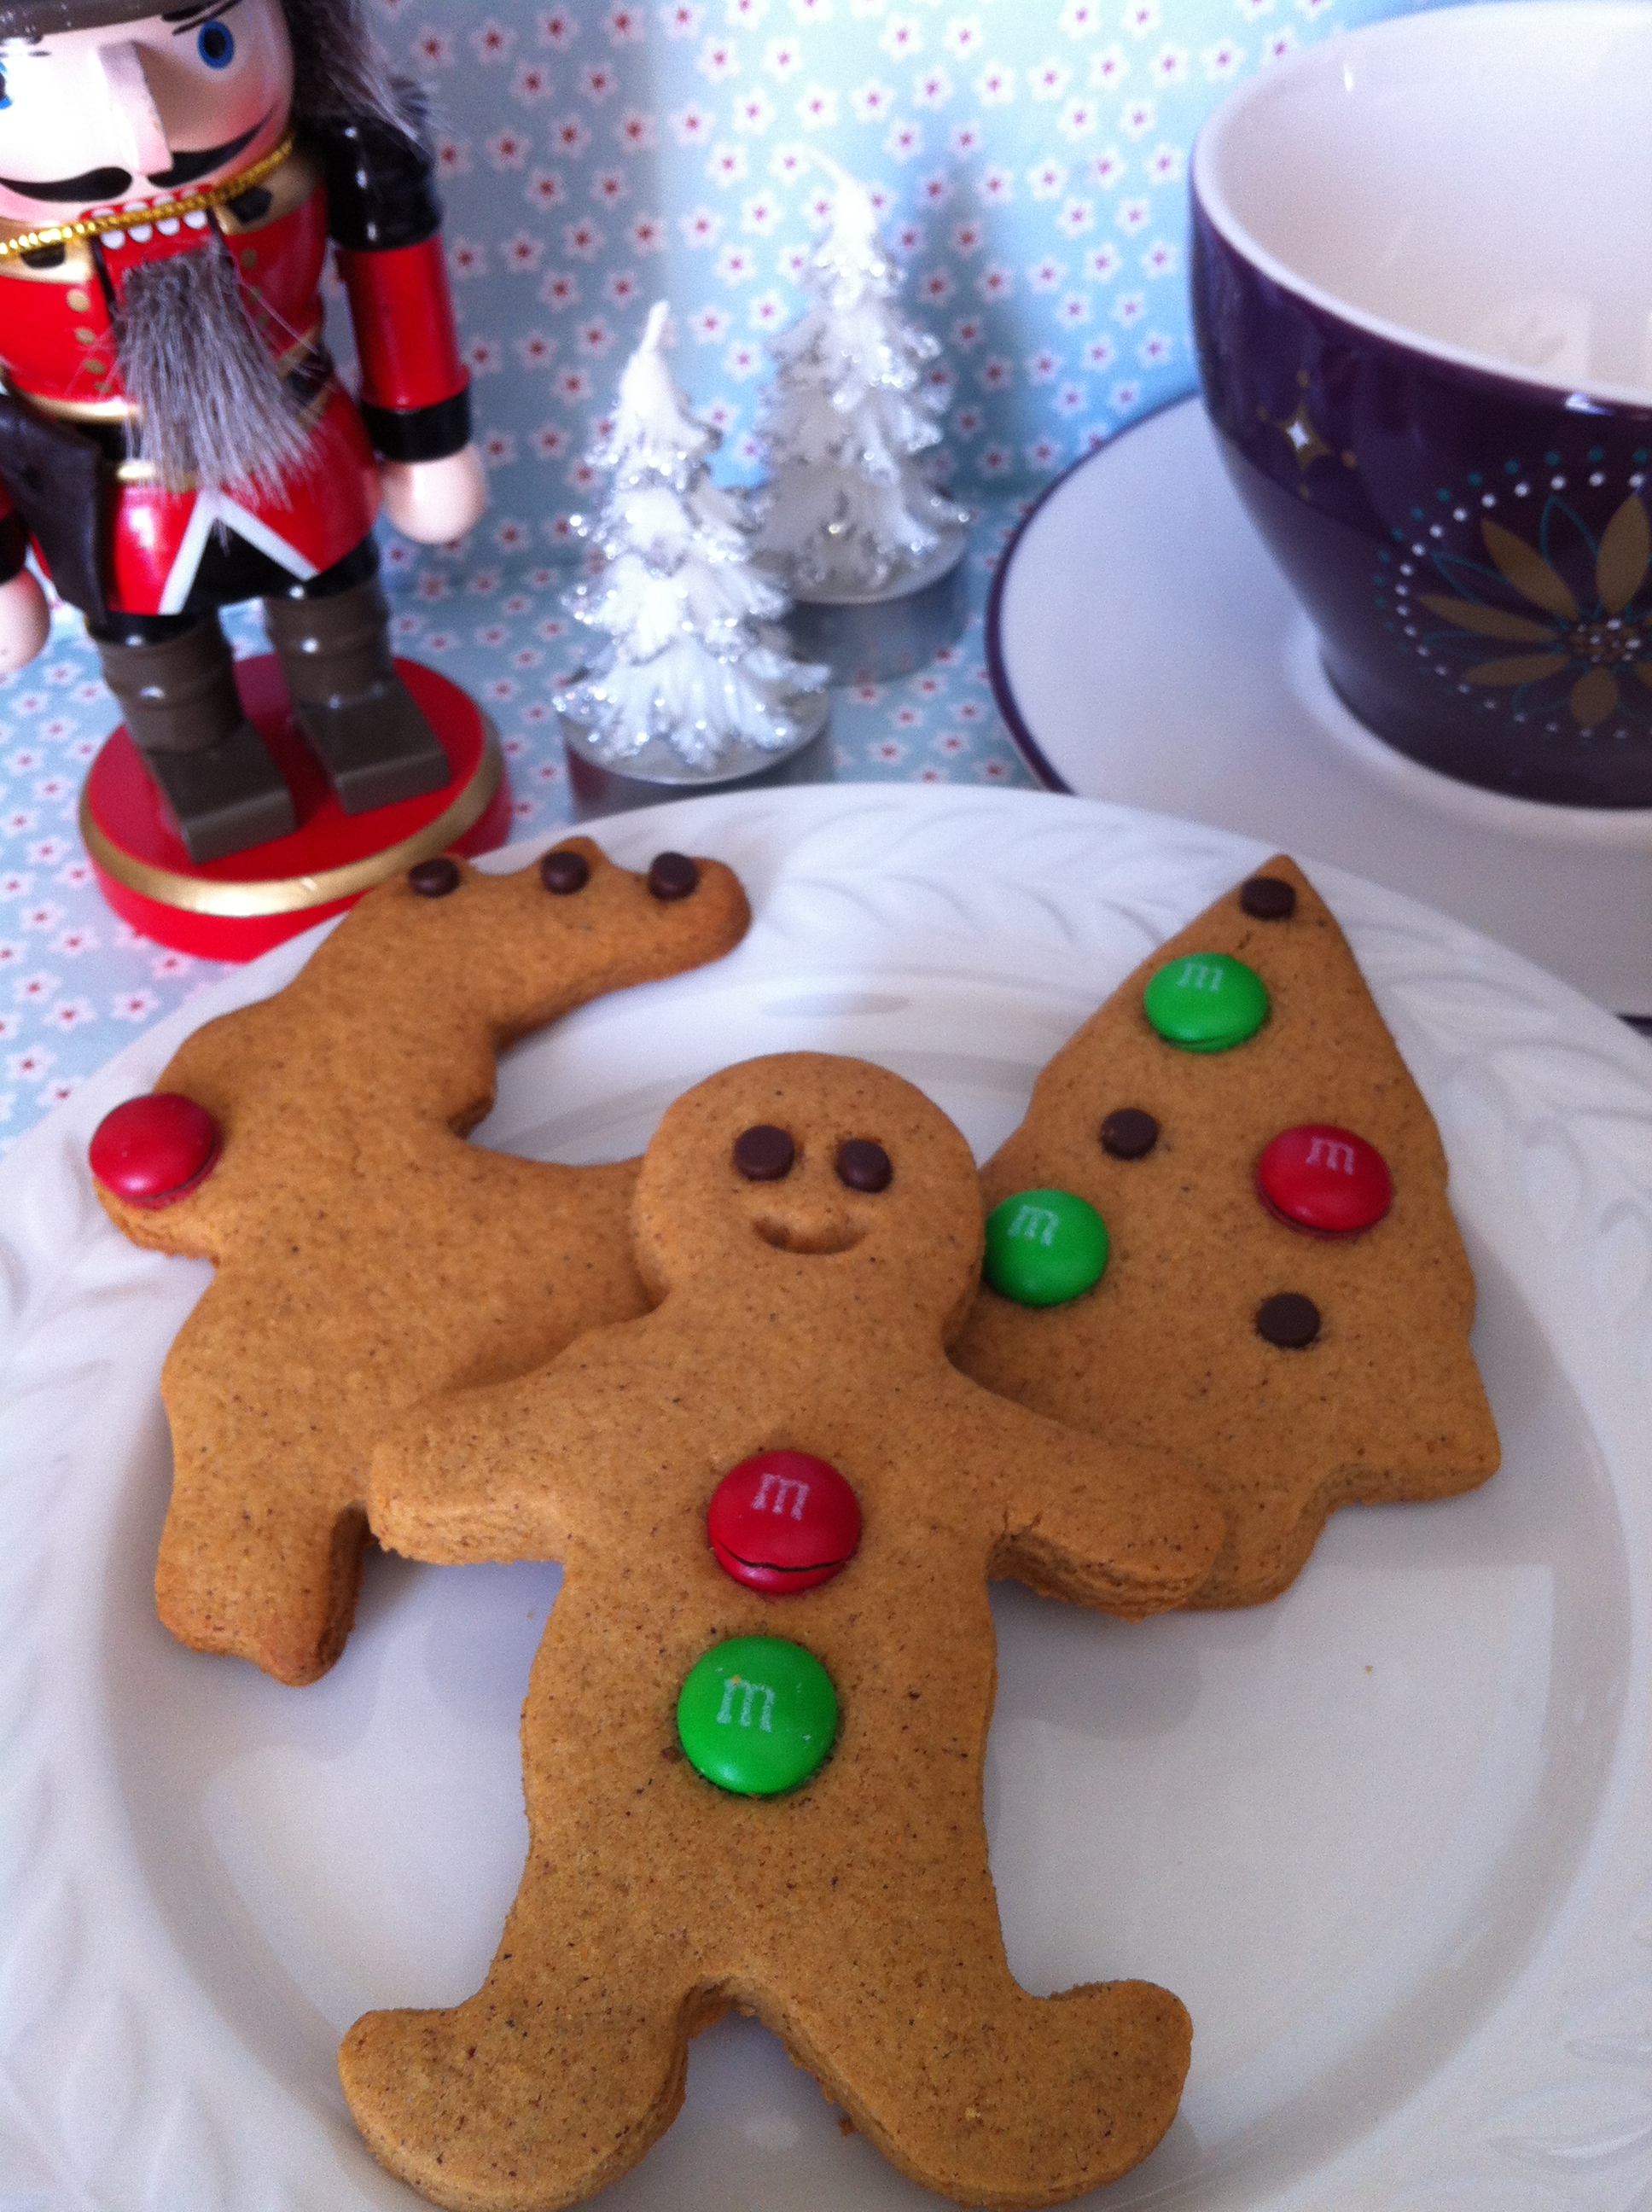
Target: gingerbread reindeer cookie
{"type": "Point", "coordinates": [312, 1146]}
{"type": "Point", "coordinates": [753, 1739]}
{"type": "Point", "coordinates": [1223, 1229]}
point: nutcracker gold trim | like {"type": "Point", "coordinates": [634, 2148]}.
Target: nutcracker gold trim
{"type": "Point", "coordinates": [295, 894]}
{"type": "Point", "coordinates": [287, 190]}
{"type": "Point", "coordinates": [77, 267]}
{"type": "Point", "coordinates": [94, 226]}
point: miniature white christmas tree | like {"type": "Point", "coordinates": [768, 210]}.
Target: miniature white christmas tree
{"type": "Point", "coordinates": [849, 509]}
{"type": "Point", "coordinates": [690, 658]}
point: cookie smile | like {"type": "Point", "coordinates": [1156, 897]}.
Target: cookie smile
{"type": "Point", "coordinates": [818, 1235]}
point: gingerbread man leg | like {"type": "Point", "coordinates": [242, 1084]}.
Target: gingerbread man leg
{"type": "Point", "coordinates": [274, 1580]}
{"type": "Point", "coordinates": [906, 2012]}
{"type": "Point", "coordinates": [977, 2090]}
{"type": "Point", "coordinates": [570, 2061]}
{"type": "Point", "coordinates": [548, 2084]}
{"type": "Point", "coordinates": [266, 1566]}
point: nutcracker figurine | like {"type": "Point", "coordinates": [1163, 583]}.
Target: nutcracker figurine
{"type": "Point", "coordinates": [172, 436]}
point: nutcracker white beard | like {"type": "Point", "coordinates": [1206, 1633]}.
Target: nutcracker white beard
{"type": "Point", "coordinates": [212, 410]}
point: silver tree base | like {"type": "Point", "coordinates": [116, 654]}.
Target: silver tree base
{"type": "Point", "coordinates": [657, 774]}
{"type": "Point", "coordinates": [867, 639]}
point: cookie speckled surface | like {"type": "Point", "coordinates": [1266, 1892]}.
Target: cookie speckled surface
{"type": "Point", "coordinates": [367, 1256]}
{"type": "Point", "coordinates": [855, 1912]}
{"type": "Point", "coordinates": [1199, 1339]}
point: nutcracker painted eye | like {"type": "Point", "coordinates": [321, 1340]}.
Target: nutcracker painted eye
{"type": "Point", "coordinates": [217, 45]}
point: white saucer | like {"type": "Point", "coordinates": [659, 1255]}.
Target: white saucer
{"type": "Point", "coordinates": [1144, 648]}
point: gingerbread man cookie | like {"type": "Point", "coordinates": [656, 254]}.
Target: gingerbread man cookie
{"type": "Point", "coordinates": [753, 1739]}
{"type": "Point", "coordinates": [1263, 1272]}
{"type": "Point", "coordinates": [312, 1146]}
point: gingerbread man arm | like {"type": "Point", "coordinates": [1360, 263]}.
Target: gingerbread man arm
{"type": "Point", "coordinates": [1131, 1531]}
{"type": "Point", "coordinates": [517, 1470]}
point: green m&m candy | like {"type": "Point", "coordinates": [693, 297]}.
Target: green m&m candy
{"type": "Point", "coordinates": [1044, 1247]}
{"type": "Point", "coordinates": [1206, 1001]}
{"type": "Point", "coordinates": [757, 1714]}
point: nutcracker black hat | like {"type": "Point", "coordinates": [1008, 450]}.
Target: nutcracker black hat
{"type": "Point", "coordinates": [39, 19]}
{"type": "Point", "coordinates": [339, 69]}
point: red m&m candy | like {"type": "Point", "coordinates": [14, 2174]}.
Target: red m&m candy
{"type": "Point", "coordinates": [153, 1150]}
{"type": "Point", "coordinates": [1325, 1180]}
{"type": "Point", "coordinates": [783, 1520]}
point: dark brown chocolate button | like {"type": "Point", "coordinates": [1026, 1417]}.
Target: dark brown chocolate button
{"type": "Point", "coordinates": [433, 878]}
{"type": "Point", "coordinates": [863, 1165]}
{"type": "Point", "coordinates": [1290, 1320]}
{"type": "Point", "coordinates": [673, 876]}
{"type": "Point", "coordinates": [765, 1153]}
{"type": "Point", "coordinates": [1268, 898]}
{"type": "Point", "coordinates": [1129, 1133]}
{"type": "Point", "coordinates": [563, 873]}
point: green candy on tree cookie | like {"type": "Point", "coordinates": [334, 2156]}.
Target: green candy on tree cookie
{"type": "Point", "coordinates": [1044, 1247]}
{"type": "Point", "coordinates": [757, 1714]}
{"type": "Point", "coordinates": [1205, 1002]}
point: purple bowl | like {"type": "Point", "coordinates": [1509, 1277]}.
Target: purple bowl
{"type": "Point", "coordinates": [1422, 292]}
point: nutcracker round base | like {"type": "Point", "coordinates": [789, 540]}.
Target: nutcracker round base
{"type": "Point", "coordinates": [867, 639]}
{"type": "Point", "coordinates": [237, 907]}
{"type": "Point", "coordinates": [657, 774]}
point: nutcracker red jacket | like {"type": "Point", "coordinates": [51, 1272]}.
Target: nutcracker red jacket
{"type": "Point", "coordinates": [367, 189]}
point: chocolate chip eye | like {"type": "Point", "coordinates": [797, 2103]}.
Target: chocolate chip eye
{"type": "Point", "coordinates": [863, 1165]}
{"type": "Point", "coordinates": [1267, 898]}
{"type": "Point", "coordinates": [563, 872]}
{"type": "Point", "coordinates": [764, 1154]}
{"type": "Point", "coordinates": [673, 876]}
{"type": "Point", "coordinates": [1128, 1134]}
{"type": "Point", "coordinates": [433, 878]}
{"type": "Point", "coordinates": [1290, 1321]}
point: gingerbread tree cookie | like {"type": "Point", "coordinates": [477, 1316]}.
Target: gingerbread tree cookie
{"type": "Point", "coordinates": [753, 1740]}
{"type": "Point", "coordinates": [312, 1146]}
{"type": "Point", "coordinates": [1263, 1273]}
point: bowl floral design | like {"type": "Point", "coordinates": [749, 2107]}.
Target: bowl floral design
{"type": "Point", "coordinates": [1586, 635]}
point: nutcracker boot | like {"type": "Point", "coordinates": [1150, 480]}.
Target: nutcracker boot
{"type": "Point", "coordinates": [362, 720]}
{"type": "Point", "coordinates": [177, 691]}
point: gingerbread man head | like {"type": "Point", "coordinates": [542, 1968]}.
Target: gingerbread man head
{"type": "Point", "coordinates": [807, 1176]}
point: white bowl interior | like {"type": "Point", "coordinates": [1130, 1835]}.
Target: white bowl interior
{"type": "Point", "coordinates": [1477, 179]}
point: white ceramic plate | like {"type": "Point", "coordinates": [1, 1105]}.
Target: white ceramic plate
{"type": "Point", "coordinates": [1145, 649]}
{"type": "Point", "coordinates": [1390, 1836]}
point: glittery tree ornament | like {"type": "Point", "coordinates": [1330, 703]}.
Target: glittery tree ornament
{"type": "Point", "coordinates": [848, 511]}
{"type": "Point", "coordinates": [692, 676]}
